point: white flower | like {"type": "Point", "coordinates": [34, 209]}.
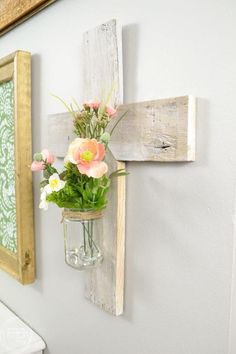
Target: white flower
{"type": "Point", "coordinates": [55, 184]}
{"type": "Point", "coordinates": [43, 200]}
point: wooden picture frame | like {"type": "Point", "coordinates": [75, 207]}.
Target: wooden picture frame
{"type": "Point", "coordinates": [17, 256]}
{"type": "Point", "coordinates": [15, 12]}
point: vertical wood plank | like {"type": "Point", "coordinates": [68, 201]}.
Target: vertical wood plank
{"type": "Point", "coordinates": [23, 158]}
{"type": "Point", "coordinates": [102, 71]}
{"type": "Point", "coordinates": [102, 51]}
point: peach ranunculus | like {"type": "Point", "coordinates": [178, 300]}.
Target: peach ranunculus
{"type": "Point", "coordinates": [88, 154]}
{"type": "Point", "coordinates": [48, 156]}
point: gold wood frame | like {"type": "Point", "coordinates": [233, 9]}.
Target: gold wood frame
{"type": "Point", "coordinates": [21, 265]}
{"type": "Point", "coordinates": [15, 12]}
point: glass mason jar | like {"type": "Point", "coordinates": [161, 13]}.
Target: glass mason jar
{"type": "Point", "coordinates": [83, 238]}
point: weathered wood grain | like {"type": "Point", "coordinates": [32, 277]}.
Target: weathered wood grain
{"type": "Point", "coordinates": [102, 71]}
{"type": "Point", "coordinates": [160, 130]}
{"type": "Point", "coordinates": [102, 51]}
{"type": "Point", "coordinates": [14, 12]}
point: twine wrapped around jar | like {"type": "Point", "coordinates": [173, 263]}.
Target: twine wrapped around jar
{"type": "Point", "coordinates": [82, 215]}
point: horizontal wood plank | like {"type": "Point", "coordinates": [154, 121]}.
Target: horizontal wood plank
{"type": "Point", "coordinates": [160, 130]}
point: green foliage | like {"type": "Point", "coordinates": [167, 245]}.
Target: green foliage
{"type": "Point", "coordinates": [49, 170]}
{"type": "Point", "coordinates": [80, 191]}
{"type": "Point", "coordinates": [90, 123]}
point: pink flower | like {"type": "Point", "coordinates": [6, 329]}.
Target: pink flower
{"type": "Point", "coordinates": [37, 166]}
{"type": "Point", "coordinates": [94, 105]}
{"type": "Point", "coordinates": [48, 156]}
{"type": "Point", "coordinates": [110, 111]}
{"type": "Point", "coordinates": [88, 154]}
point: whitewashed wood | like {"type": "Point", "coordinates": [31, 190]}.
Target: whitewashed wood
{"type": "Point", "coordinates": [102, 71]}
{"type": "Point", "coordinates": [160, 130]}
{"type": "Point", "coordinates": [105, 285]}
{"type": "Point", "coordinates": [60, 133]}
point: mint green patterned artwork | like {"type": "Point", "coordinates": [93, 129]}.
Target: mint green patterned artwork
{"type": "Point", "coordinates": [8, 236]}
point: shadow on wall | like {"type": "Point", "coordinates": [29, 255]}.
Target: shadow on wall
{"type": "Point", "coordinates": [130, 39]}
{"type": "Point", "coordinates": [130, 35]}
{"type": "Point", "coordinates": [37, 134]}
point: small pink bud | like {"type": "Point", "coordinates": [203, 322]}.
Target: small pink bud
{"type": "Point", "coordinates": [110, 111]}
{"type": "Point", "coordinates": [37, 166]}
{"type": "Point", "coordinates": [93, 105]}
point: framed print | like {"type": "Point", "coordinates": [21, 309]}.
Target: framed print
{"type": "Point", "coordinates": [14, 12]}
{"type": "Point", "coordinates": [16, 200]}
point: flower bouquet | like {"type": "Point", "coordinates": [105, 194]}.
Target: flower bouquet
{"type": "Point", "coordinates": [81, 188]}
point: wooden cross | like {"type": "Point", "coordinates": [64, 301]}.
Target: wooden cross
{"type": "Point", "coordinates": [160, 130]}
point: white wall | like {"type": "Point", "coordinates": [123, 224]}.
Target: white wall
{"type": "Point", "coordinates": [179, 215]}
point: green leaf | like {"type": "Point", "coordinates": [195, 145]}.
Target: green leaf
{"type": "Point", "coordinates": [119, 173]}
{"type": "Point", "coordinates": [44, 183]}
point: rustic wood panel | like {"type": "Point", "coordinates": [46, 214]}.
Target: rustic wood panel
{"type": "Point", "coordinates": [160, 130]}
{"type": "Point", "coordinates": [23, 158]}
{"type": "Point", "coordinates": [17, 11]}
{"type": "Point", "coordinates": [102, 70]}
